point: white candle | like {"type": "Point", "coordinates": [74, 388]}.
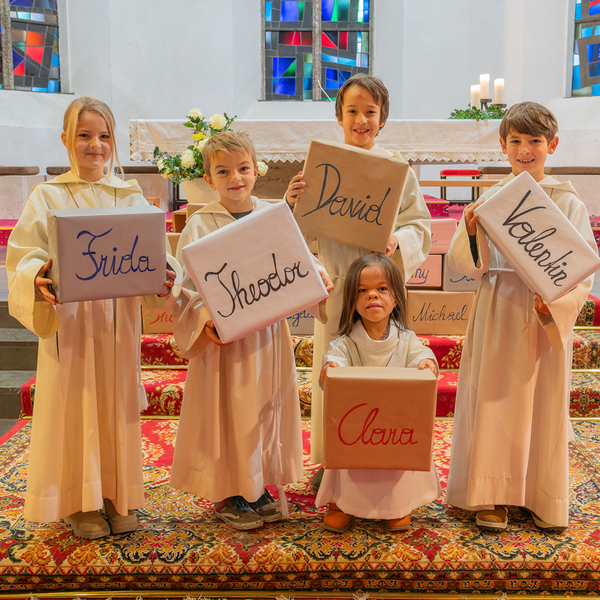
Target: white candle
{"type": "Point", "coordinates": [475, 96]}
{"type": "Point", "coordinates": [498, 91]}
{"type": "Point", "coordinates": [484, 84]}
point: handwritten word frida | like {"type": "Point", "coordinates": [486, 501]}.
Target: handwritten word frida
{"type": "Point", "coordinates": [246, 295]}
{"type": "Point", "coordinates": [120, 264]}
{"type": "Point", "coordinates": [341, 205]}
{"type": "Point", "coordinates": [526, 236]}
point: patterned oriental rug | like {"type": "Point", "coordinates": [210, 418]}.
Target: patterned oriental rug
{"type": "Point", "coordinates": [181, 547]}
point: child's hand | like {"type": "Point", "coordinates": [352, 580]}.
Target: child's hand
{"type": "Point", "coordinates": [295, 188]}
{"type": "Point", "coordinates": [392, 246]}
{"type": "Point", "coordinates": [327, 282]}
{"type": "Point", "coordinates": [471, 218]}
{"type": "Point", "coordinates": [541, 307]}
{"type": "Point", "coordinates": [324, 371]}
{"type": "Point", "coordinates": [170, 282]}
{"type": "Point", "coordinates": [427, 363]}
{"type": "Point", "coordinates": [42, 292]}
{"type": "Point", "coordinates": [211, 333]}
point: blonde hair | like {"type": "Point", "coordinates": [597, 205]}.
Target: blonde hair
{"type": "Point", "coordinates": [71, 121]}
{"type": "Point", "coordinates": [227, 142]}
{"type": "Point", "coordinates": [392, 273]}
{"type": "Point", "coordinates": [373, 85]}
{"type": "Point", "coordinates": [529, 118]}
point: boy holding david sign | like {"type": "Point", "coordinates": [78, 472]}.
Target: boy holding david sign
{"type": "Point", "coordinates": [511, 428]}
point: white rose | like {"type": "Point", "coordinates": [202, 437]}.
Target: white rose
{"type": "Point", "coordinates": [195, 112]}
{"type": "Point", "coordinates": [159, 164]}
{"type": "Point", "coordinates": [202, 142]}
{"type": "Point", "coordinates": [188, 159]}
{"type": "Point", "coordinates": [262, 168]}
{"type": "Point", "coordinates": [218, 122]}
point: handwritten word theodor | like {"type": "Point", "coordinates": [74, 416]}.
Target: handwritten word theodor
{"type": "Point", "coordinates": [106, 266]}
{"type": "Point", "coordinates": [254, 292]}
{"type": "Point", "coordinates": [370, 434]}
{"type": "Point", "coordinates": [531, 240]}
{"type": "Point", "coordinates": [342, 206]}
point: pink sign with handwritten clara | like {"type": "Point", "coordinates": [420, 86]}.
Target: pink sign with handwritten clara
{"type": "Point", "coordinates": [379, 418]}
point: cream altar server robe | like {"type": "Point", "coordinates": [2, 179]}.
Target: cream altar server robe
{"type": "Point", "coordinates": [413, 232]}
{"type": "Point", "coordinates": [511, 426]}
{"type": "Point", "coordinates": [240, 426]}
{"type": "Point", "coordinates": [378, 493]}
{"type": "Point", "coordinates": [86, 439]}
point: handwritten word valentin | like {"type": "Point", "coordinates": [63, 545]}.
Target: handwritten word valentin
{"type": "Point", "coordinates": [119, 265]}
{"type": "Point", "coordinates": [342, 206]}
{"type": "Point", "coordinates": [254, 292]}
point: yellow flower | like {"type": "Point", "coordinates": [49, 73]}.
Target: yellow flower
{"type": "Point", "coordinates": [198, 136]}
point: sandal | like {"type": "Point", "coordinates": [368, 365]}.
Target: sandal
{"type": "Point", "coordinates": [336, 520]}
{"type": "Point", "coordinates": [493, 520]}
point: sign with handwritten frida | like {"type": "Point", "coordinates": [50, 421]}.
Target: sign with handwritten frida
{"type": "Point", "coordinates": [100, 253]}
{"type": "Point", "coordinates": [438, 313]}
{"type": "Point", "coordinates": [453, 281]}
{"type": "Point", "coordinates": [429, 274]}
{"type": "Point", "coordinates": [536, 238]}
{"type": "Point", "coordinates": [351, 195]}
{"type": "Point", "coordinates": [379, 418]}
{"type": "Point", "coordinates": [254, 272]}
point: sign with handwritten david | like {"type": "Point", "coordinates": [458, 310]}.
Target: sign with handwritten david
{"type": "Point", "coordinates": [351, 195]}
{"type": "Point", "coordinates": [100, 253]}
{"type": "Point", "coordinates": [254, 272]}
{"type": "Point", "coordinates": [438, 313]}
{"type": "Point", "coordinates": [536, 238]}
{"type": "Point", "coordinates": [379, 418]}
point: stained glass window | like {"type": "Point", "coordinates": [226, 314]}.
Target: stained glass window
{"type": "Point", "coordinates": [35, 54]}
{"type": "Point", "coordinates": [586, 51]}
{"type": "Point", "coordinates": [338, 46]}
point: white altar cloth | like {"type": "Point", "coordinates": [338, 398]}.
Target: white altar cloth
{"type": "Point", "coordinates": [443, 140]}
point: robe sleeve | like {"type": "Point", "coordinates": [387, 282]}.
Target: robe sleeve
{"type": "Point", "coordinates": [338, 352]}
{"type": "Point", "coordinates": [413, 228]}
{"type": "Point", "coordinates": [417, 351]}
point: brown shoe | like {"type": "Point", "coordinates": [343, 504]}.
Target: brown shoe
{"type": "Point", "coordinates": [402, 524]}
{"type": "Point", "coordinates": [336, 520]}
{"type": "Point", "coordinates": [493, 520]}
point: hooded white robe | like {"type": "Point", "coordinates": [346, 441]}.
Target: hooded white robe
{"type": "Point", "coordinates": [378, 493]}
{"type": "Point", "coordinates": [413, 232]}
{"type": "Point", "coordinates": [511, 426]}
{"type": "Point", "coordinates": [86, 438]}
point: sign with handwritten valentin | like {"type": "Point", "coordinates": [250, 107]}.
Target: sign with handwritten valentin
{"type": "Point", "coordinates": [351, 195]}
{"type": "Point", "coordinates": [453, 281]}
{"type": "Point", "coordinates": [254, 272]}
{"type": "Point", "coordinates": [429, 274]}
{"type": "Point", "coordinates": [439, 313]}
{"type": "Point", "coordinates": [536, 238]}
{"type": "Point", "coordinates": [100, 253]}
{"type": "Point", "coordinates": [379, 418]}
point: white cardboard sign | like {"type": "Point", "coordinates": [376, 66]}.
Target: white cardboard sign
{"type": "Point", "coordinates": [453, 281]}
{"type": "Point", "coordinates": [536, 238]}
{"type": "Point", "coordinates": [428, 274]}
{"type": "Point", "coordinates": [100, 253]}
{"type": "Point", "coordinates": [439, 313]}
{"type": "Point", "coordinates": [254, 272]}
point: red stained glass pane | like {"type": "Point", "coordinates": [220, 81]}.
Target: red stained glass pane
{"type": "Point", "coordinates": [343, 40]}
{"type": "Point", "coordinates": [307, 38]}
{"type": "Point", "coordinates": [36, 53]}
{"type": "Point", "coordinates": [327, 41]}
{"type": "Point", "coordinates": [20, 70]}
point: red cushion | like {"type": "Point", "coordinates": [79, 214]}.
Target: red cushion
{"type": "Point", "coordinates": [460, 173]}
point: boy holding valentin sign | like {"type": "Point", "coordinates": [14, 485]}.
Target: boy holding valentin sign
{"type": "Point", "coordinates": [240, 424]}
{"type": "Point", "coordinates": [361, 109]}
{"type": "Point", "coordinates": [511, 428]}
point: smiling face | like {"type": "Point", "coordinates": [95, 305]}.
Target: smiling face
{"type": "Point", "coordinates": [233, 176]}
{"type": "Point", "coordinates": [93, 146]}
{"type": "Point", "coordinates": [361, 117]}
{"type": "Point", "coordinates": [528, 153]}
{"type": "Point", "coordinates": [374, 300]}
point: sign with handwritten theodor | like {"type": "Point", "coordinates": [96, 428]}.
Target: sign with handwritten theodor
{"type": "Point", "coordinates": [379, 418]}
{"type": "Point", "coordinates": [100, 253]}
{"type": "Point", "coordinates": [535, 237]}
{"type": "Point", "coordinates": [254, 272]}
{"type": "Point", "coordinates": [439, 313]}
{"type": "Point", "coordinates": [351, 195]}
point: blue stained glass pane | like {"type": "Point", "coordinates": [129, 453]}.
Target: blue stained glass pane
{"type": "Point", "coordinates": [329, 58]}
{"type": "Point", "coordinates": [576, 78]}
{"type": "Point", "coordinates": [24, 15]}
{"type": "Point", "coordinates": [289, 10]}
{"type": "Point", "coordinates": [38, 89]}
{"type": "Point", "coordinates": [17, 59]}
{"type": "Point", "coordinates": [343, 76]}
{"type": "Point", "coordinates": [327, 10]}
{"type": "Point", "coordinates": [595, 10]}
{"type": "Point", "coordinates": [591, 51]}
{"type": "Point", "coordinates": [267, 40]}
{"type": "Point", "coordinates": [364, 60]}
{"type": "Point", "coordinates": [307, 83]}
{"type": "Point", "coordinates": [38, 17]}
{"type": "Point", "coordinates": [587, 31]}
{"type": "Point", "coordinates": [281, 64]}
{"type": "Point", "coordinates": [366, 13]}
{"type": "Point", "coordinates": [55, 60]}
{"type": "Point", "coordinates": [331, 74]}
{"type": "Point", "coordinates": [596, 90]}
{"type": "Point", "coordinates": [331, 85]}
{"type": "Point", "coordinates": [287, 86]}
{"type": "Point", "coordinates": [347, 61]}
{"type": "Point", "coordinates": [28, 3]}
{"type": "Point", "coordinates": [53, 87]}
{"type": "Point", "coordinates": [305, 95]}
{"type": "Point", "coordinates": [575, 60]}
{"type": "Point", "coordinates": [268, 11]}
{"type": "Point", "coordinates": [594, 69]}
{"type": "Point", "coordinates": [308, 69]}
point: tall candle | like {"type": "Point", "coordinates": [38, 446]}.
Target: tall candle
{"type": "Point", "coordinates": [475, 96]}
{"type": "Point", "coordinates": [484, 84]}
{"type": "Point", "coordinates": [498, 91]}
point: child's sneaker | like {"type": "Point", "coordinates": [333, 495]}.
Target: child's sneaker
{"type": "Point", "coordinates": [235, 511]}
{"type": "Point", "coordinates": [267, 508]}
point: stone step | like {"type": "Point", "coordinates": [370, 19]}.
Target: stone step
{"type": "Point", "coordinates": [18, 350]}
{"type": "Point", "coordinates": [10, 392]}
{"type": "Point", "coordinates": [6, 321]}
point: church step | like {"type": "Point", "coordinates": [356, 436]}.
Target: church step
{"type": "Point", "coordinates": [6, 321]}
{"type": "Point", "coordinates": [10, 392]}
{"type": "Point", "coordinates": [18, 349]}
